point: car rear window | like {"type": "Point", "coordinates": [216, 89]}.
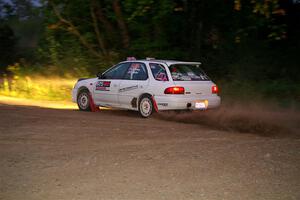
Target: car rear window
{"type": "Point", "coordinates": [185, 72]}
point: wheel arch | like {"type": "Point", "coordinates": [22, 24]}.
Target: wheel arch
{"type": "Point", "coordinates": [144, 94]}
{"type": "Point", "coordinates": [151, 97]}
{"type": "Point", "coordinates": [82, 88]}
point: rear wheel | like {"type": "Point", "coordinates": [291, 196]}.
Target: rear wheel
{"type": "Point", "coordinates": [83, 100]}
{"type": "Point", "coordinates": [145, 106]}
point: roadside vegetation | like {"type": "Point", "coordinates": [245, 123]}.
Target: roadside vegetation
{"type": "Point", "coordinates": [249, 48]}
{"type": "Point", "coordinates": [36, 86]}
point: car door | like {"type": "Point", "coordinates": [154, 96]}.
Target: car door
{"type": "Point", "coordinates": [106, 88]}
{"type": "Point", "coordinates": [134, 83]}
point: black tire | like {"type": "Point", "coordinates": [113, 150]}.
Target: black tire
{"type": "Point", "coordinates": [146, 106]}
{"type": "Point", "coordinates": [83, 100]}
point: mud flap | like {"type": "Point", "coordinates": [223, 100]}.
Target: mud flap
{"type": "Point", "coordinates": [154, 104]}
{"type": "Point", "coordinates": [93, 107]}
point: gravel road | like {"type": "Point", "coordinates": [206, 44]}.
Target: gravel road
{"type": "Point", "coordinates": [115, 155]}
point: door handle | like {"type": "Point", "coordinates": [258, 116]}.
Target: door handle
{"type": "Point", "coordinates": [115, 85]}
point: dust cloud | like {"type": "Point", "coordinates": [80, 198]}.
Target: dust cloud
{"type": "Point", "coordinates": [259, 118]}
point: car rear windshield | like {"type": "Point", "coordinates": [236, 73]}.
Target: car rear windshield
{"type": "Point", "coordinates": [185, 72]}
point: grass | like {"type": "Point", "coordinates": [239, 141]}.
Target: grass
{"type": "Point", "coordinates": [53, 88]}
{"type": "Point", "coordinates": [37, 88]}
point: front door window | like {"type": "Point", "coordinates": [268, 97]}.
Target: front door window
{"type": "Point", "coordinates": [117, 72]}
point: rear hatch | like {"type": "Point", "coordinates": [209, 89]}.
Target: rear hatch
{"type": "Point", "coordinates": [192, 78]}
{"type": "Point", "coordinates": [196, 88]}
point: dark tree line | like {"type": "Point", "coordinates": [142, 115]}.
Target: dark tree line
{"type": "Point", "coordinates": [249, 39]}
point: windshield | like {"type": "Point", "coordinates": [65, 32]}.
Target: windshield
{"type": "Point", "coordinates": [185, 72]}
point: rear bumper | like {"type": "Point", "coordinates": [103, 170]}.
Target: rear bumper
{"type": "Point", "coordinates": [177, 102]}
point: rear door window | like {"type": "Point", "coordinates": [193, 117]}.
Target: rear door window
{"type": "Point", "coordinates": [159, 72]}
{"type": "Point", "coordinates": [185, 72]}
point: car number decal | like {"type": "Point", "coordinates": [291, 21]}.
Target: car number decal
{"type": "Point", "coordinates": [103, 85]}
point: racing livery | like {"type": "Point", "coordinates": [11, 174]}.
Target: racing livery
{"type": "Point", "coordinates": [147, 86]}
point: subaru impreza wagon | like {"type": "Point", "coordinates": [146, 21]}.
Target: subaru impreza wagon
{"type": "Point", "coordinates": [147, 86]}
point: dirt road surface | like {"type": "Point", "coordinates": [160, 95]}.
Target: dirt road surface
{"type": "Point", "coordinates": [115, 155]}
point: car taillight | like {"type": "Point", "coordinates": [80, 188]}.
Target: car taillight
{"type": "Point", "coordinates": [214, 89]}
{"type": "Point", "coordinates": [174, 90]}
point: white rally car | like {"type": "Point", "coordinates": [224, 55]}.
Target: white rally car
{"type": "Point", "coordinates": [147, 86]}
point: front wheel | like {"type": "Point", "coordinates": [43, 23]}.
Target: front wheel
{"type": "Point", "coordinates": [145, 106]}
{"type": "Point", "coordinates": [83, 100]}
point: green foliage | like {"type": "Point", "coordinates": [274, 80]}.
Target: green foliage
{"type": "Point", "coordinates": [252, 45]}
{"type": "Point", "coordinates": [39, 88]}
{"type": "Point", "coordinates": [35, 87]}
{"type": "Point", "coordinates": [262, 16]}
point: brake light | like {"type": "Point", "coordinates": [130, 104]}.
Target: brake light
{"type": "Point", "coordinates": [214, 89]}
{"type": "Point", "coordinates": [174, 90]}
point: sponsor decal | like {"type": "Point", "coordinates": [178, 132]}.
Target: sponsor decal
{"type": "Point", "coordinates": [103, 85]}
{"type": "Point", "coordinates": [163, 104]}
{"type": "Point", "coordinates": [128, 88]}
